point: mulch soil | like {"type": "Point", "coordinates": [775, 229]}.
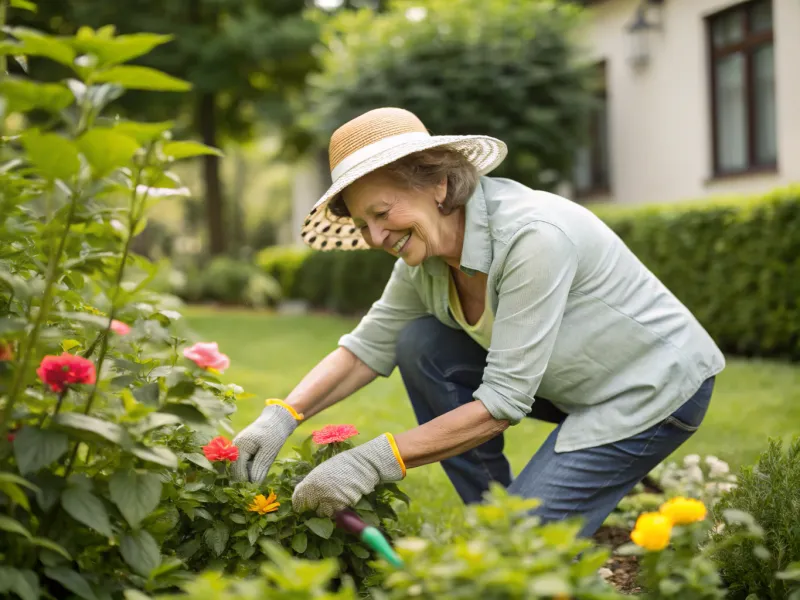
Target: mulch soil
{"type": "Point", "coordinates": [624, 569]}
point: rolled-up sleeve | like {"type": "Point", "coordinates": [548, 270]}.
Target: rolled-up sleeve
{"type": "Point", "coordinates": [373, 341]}
{"type": "Point", "coordinates": [536, 278]}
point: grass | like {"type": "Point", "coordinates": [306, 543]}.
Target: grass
{"type": "Point", "coordinates": [753, 400]}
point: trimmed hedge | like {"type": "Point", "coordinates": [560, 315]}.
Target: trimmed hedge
{"type": "Point", "coordinates": [734, 262]}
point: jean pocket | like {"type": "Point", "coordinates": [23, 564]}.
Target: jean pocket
{"type": "Point", "coordinates": [691, 413]}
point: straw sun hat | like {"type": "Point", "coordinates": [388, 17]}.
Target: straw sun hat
{"type": "Point", "coordinates": [373, 140]}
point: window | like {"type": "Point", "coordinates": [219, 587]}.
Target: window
{"type": "Point", "coordinates": [743, 88]}
{"type": "Point", "coordinates": [592, 162]}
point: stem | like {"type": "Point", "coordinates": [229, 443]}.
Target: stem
{"type": "Point", "coordinates": [33, 338]}
{"type": "Point", "coordinates": [136, 214]}
{"type": "Point", "coordinates": [58, 406]}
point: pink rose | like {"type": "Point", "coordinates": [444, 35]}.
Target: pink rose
{"type": "Point", "coordinates": [206, 355]}
{"type": "Point", "coordinates": [119, 327]}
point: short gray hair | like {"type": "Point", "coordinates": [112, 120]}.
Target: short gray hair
{"type": "Point", "coordinates": [425, 169]}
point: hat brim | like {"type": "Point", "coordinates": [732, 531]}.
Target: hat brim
{"type": "Point", "coordinates": [325, 231]}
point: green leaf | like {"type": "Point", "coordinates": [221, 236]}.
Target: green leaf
{"type": "Point", "coordinates": [24, 583]}
{"type": "Point", "coordinates": [157, 454]}
{"type": "Point", "coordinates": [140, 551]}
{"type": "Point", "coordinates": [34, 43]}
{"type": "Point", "coordinates": [300, 542]}
{"type": "Point", "coordinates": [167, 566]}
{"type": "Point", "coordinates": [135, 595]}
{"type": "Point", "coordinates": [106, 150]}
{"type": "Point", "coordinates": [359, 551]}
{"type": "Point", "coordinates": [200, 460]}
{"type": "Point", "coordinates": [136, 494]}
{"type": "Point", "coordinates": [321, 526]}
{"type": "Point", "coordinates": [253, 532]}
{"type": "Point", "coordinates": [23, 95]}
{"type": "Point", "coordinates": [50, 545]}
{"type": "Point", "coordinates": [122, 48]}
{"type": "Point", "coordinates": [13, 526]}
{"type": "Point", "coordinates": [36, 448]}
{"type": "Point", "coordinates": [53, 156]}
{"type": "Point", "coordinates": [86, 508]}
{"type": "Point", "coordinates": [331, 548]}
{"type": "Point", "coordinates": [669, 587]}
{"type": "Point", "coordinates": [156, 420]}
{"type": "Point", "coordinates": [549, 585]}
{"type": "Point", "coordinates": [143, 132]}
{"type": "Point", "coordinates": [244, 549]}
{"type": "Point", "coordinates": [147, 394]}
{"type": "Point", "coordinates": [15, 494]}
{"type": "Point", "coordinates": [93, 429]}
{"type": "Point", "coordinates": [216, 537]}
{"type": "Point", "coordinates": [142, 78]}
{"type": "Point", "coordinates": [238, 519]}
{"type": "Point", "coordinates": [24, 5]}
{"type": "Point", "coordinates": [186, 412]}
{"type": "Point", "coordinates": [188, 149]}
{"type": "Point", "coordinates": [71, 580]}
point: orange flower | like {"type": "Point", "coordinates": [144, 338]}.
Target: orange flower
{"type": "Point", "coordinates": [263, 505]}
{"type": "Point", "coordinates": [6, 351]}
{"type": "Point", "coordinates": [333, 433]}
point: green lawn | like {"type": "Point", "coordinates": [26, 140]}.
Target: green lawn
{"type": "Point", "coordinates": [271, 353]}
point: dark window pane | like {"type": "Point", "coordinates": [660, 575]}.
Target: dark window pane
{"type": "Point", "coordinates": [727, 29]}
{"type": "Point", "coordinates": [731, 113]}
{"type": "Point", "coordinates": [761, 17]}
{"type": "Point", "coordinates": [764, 82]}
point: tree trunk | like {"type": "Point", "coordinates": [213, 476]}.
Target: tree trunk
{"type": "Point", "coordinates": [215, 214]}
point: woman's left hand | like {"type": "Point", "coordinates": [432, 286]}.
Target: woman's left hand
{"type": "Point", "coordinates": [340, 482]}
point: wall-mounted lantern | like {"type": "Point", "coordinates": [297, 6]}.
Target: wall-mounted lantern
{"type": "Point", "coordinates": [646, 21]}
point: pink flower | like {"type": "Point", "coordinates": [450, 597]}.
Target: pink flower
{"type": "Point", "coordinates": [207, 356]}
{"type": "Point", "coordinates": [60, 371]}
{"type": "Point", "coordinates": [220, 448]}
{"type": "Point", "coordinates": [119, 327]}
{"type": "Point", "coordinates": [6, 351]}
{"type": "Point", "coordinates": [333, 433]}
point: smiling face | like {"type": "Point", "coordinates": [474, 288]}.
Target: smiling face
{"type": "Point", "coordinates": [405, 222]}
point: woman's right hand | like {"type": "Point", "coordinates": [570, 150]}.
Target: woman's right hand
{"type": "Point", "coordinates": [260, 442]}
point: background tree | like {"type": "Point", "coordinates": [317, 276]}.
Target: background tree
{"type": "Point", "coordinates": [508, 68]}
{"type": "Point", "coordinates": [246, 61]}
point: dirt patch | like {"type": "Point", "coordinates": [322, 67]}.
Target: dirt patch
{"type": "Point", "coordinates": [624, 569]}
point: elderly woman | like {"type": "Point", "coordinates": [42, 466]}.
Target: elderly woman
{"type": "Point", "coordinates": [504, 303]}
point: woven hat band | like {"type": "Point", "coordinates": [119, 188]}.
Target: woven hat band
{"type": "Point", "coordinates": [373, 149]}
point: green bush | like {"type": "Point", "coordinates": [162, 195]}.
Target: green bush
{"type": "Point", "coordinates": [229, 281]}
{"type": "Point", "coordinates": [770, 492]}
{"type": "Point", "coordinates": [735, 263]}
{"type": "Point", "coordinates": [283, 263]}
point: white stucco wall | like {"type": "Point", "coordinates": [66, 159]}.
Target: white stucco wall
{"type": "Point", "coordinates": [660, 118]}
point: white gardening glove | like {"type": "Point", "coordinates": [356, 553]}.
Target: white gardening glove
{"type": "Point", "coordinates": [263, 439]}
{"type": "Point", "coordinates": [341, 481]}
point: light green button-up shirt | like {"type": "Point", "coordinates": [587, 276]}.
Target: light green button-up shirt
{"type": "Point", "coordinates": [579, 320]}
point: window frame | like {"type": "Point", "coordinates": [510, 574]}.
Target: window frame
{"type": "Point", "coordinates": [747, 46]}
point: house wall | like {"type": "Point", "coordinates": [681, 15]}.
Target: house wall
{"type": "Point", "coordinates": [660, 117]}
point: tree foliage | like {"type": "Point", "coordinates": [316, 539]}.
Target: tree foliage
{"type": "Point", "coordinates": [507, 68]}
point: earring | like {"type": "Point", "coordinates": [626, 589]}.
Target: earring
{"type": "Point", "coordinates": [440, 206]}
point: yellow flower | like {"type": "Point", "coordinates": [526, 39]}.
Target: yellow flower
{"type": "Point", "coordinates": [652, 531]}
{"type": "Point", "coordinates": [263, 505]}
{"type": "Point", "coordinates": [682, 511]}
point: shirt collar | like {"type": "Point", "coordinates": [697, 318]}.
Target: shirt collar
{"type": "Point", "coordinates": [476, 255]}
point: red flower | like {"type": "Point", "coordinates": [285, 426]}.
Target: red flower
{"type": "Point", "coordinates": [119, 327]}
{"type": "Point", "coordinates": [333, 433]}
{"type": "Point", "coordinates": [6, 351]}
{"type": "Point", "coordinates": [207, 355]}
{"type": "Point", "coordinates": [220, 448]}
{"type": "Point", "coordinates": [60, 371]}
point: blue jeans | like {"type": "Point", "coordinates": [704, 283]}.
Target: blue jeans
{"type": "Point", "coordinates": [441, 369]}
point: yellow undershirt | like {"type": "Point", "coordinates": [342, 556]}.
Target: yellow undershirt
{"type": "Point", "coordinates": [481, 331]}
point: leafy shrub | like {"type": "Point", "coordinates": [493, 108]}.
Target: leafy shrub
{"type": "Point", "coordinates": [735, 263]}
{"type": "Point", "coordinates": [214, 525]}
{"type": "Point", "coordinates": [501, 552]}
{"type": "Point", "coordinates": [676, 551]}
{"type": "Point", "coordinates": [283, 263]}
{"type": "Point", "coordinates": [233, 281]}
{"type": "Point", "coordinates": [770, 491]}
